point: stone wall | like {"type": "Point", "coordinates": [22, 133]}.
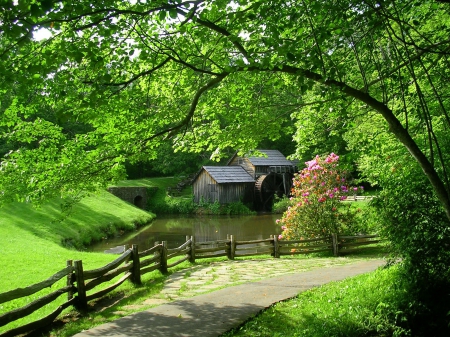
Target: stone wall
{"type": "Point", "coordinates": [137, 196]}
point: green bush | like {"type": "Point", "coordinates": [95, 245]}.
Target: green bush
{"type": "Point", "coordinates": [237, 208]}
{"type": "Point", "coordinates": [173, 205]}
{"type": "Point", "coordinates": [215, 207]}
{"type": "Point", "coordinates": [280, 205]}
{"type": "Point", "coordinates": [419, 232]}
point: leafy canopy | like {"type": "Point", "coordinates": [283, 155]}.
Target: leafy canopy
{"type": "Point", "coordinates": [116, 79]}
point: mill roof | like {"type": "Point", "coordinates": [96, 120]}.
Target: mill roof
{"type": "Point", "coordinates": [274, 158]}
{"type": "Point", "coordinates": [229, 174]}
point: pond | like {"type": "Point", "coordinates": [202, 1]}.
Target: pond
{"type": "Point", "coordinates": [174, 229]}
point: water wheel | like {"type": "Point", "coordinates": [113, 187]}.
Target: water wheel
{"type": "Point", "coordinates": [266, 187]}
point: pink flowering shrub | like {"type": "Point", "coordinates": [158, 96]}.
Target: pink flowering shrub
{"type": "Point", "coordinates": [315, 206]}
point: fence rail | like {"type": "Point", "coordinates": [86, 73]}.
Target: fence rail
{"type": "Point", "coordinates": [133, 264]}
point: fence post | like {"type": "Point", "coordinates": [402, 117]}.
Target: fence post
{"type": "Point", "coordinates": [335, 243]}
{"type": "Point", "coordinates": [157, 253]}
{"type": "Point", "coordinates": [232, 247]}
{"type": "Point", "coordinates": [276, 247]}
{"type": "Point", "coordinates": [163, 262]}
{"type": "Point", "coordinates": [81, 290]}
{"type": "Point", "coordinates": [192, 256]}
{"type": "Point", "coordinates": [136, 271]}
{"type": "Point", "coordinates": [70, 280]}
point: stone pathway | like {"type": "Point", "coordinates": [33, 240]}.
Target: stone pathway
{"type": "Point", "coordinates": [204, 278]}
{"type": "Point", "coordinates": [213, 313]}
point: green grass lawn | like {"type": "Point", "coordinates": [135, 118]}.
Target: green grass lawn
{"type": "Point", "coordinates": [36, 242]}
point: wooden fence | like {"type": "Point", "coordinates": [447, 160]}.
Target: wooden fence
{"type": "Point", "coordinates": [359, 197]}
{"type": "Point", "coordinates": [133, 264]}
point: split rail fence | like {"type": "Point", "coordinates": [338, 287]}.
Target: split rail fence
{"type": "Point", "coordinates": [132, 264]}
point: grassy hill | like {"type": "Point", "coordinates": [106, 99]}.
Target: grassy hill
{"type": "Point", "coordinates": [36, 242]}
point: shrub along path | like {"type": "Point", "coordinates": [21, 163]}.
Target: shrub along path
{"type": "Point", "coordinates": [214, 313]}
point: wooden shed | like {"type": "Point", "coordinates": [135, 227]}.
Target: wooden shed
{"type": "Point", "coordinates": [224, 184]}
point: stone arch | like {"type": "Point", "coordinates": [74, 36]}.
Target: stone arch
{"type": "Point", "coordinates": [134, 195]}
{"type": "Point", "coordinates": [139, 201]}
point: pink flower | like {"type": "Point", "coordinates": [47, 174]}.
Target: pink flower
{"type": "Point", "coordinates": [283, 228]}
{"type": "Point", "coordinates": [277, 221]}
{"type": "Point", "coordinates": [343, 198]}
{"type": "Point", "coordinates": [332, 158]}
{"type": "Point", "coordinates": [311, 163]}
{"type": "Point", "coordinates": [280, 237]}
{"type": "Point", "coordinates": [355, 188]}
{"type": "Point", "coordinates": [321, 199]}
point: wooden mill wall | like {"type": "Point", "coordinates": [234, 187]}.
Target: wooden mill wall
{"type": "Point", "coordinates": [202, 187]}
{"type": "Point", "coordinates": [234, 192]}
{"type": "Point", "coordinates": [205, 186]}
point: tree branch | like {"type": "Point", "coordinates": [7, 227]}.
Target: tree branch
{"type": "Point", "coordinates": [394, 126]}
{"type": "Point", "coordinates": [174, 129]}
{"type": "Point", "coordinates": [134, 78]}
{"type": "Point", "coordinates": [224, 32]}
{"type": "Point", "coordinates": [113, 13]}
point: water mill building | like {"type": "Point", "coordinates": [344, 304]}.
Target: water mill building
{"type": "Point", "coordinates": [250, 179]}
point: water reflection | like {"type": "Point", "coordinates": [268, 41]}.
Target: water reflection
{"type": "Point", "coordinates": [174, 229]}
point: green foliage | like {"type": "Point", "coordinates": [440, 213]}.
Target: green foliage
{"type": "Point", "coordinates": [366, 217]}
{"type": "Point", "coordinates": [316, 207]}
{"type": "Point", "coordinates": [233, 208]}
{"type": "Point", "coordinates": [214, 208]}
{"type": "Point", "coordinates": [280, 205]}
{"type": "Point", "coordinates": [418, 231]}
{"type": "Point", "coordinates": [412, 219]}
{"type": "Point", "coordinates": [103, 90]}
{"type": "Point", "coordinates": [238, 208]}
{"type": "Point", "coordinates": [168, 163]}
{"type": "Point", "coordinates": [172, 205]}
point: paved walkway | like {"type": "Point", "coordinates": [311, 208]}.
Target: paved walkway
{"type": "Point", "coordinates": [213, 313]}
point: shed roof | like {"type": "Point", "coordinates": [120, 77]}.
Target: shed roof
{"type": "Point", "coordinates": [274, 158]}
{"type": "Point", "coordinates": [229, 174]}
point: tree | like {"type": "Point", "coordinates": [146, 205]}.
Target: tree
{"type": "Point", "coordinates": [212, 75]}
